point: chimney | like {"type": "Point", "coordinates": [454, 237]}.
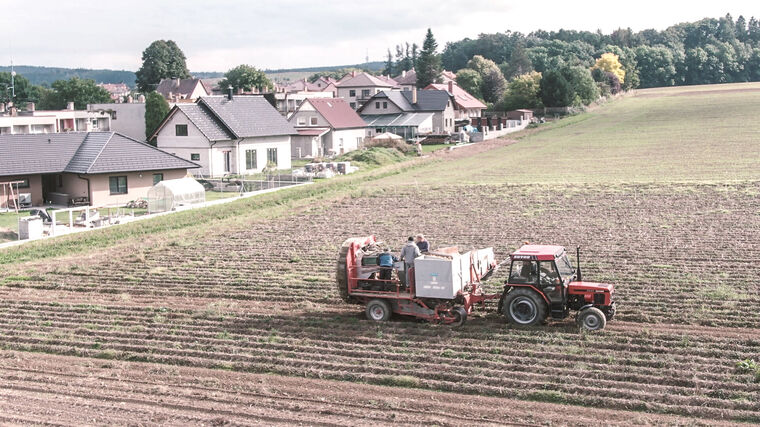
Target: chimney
{"type": "Point", "coordinates": [229, 93]}
{"type": "Point", "coordinates": [177, 80]}
{"type": "Point", "coordinates": [403, 73]}
{"type": "Point", "coordinates": [353, 73]}
{"type": "Point", "coordinates": [2, 107]}
{"type": "Point", "coordinates": [30, 106]}
{"type": "Point", "coordinates": [70, 106]}
{"type": "Point", "coordinates": [414, 95]}
{"type": "Point", "coordinates": [451, 87]}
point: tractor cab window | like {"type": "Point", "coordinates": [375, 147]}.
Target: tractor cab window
{"type": "Point", "coordinates": [566, 269]}
{"type": "Point", "coordinates": [548, 273]}
{"type": "Point", "coordinates": [523, 272]}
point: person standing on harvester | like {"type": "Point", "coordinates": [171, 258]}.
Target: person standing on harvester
{"type": "Point", "coordinates": [422, 243]}
{"type": "Point", "coordinates": [409, 252]}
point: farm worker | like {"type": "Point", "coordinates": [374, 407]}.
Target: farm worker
{"type": "Point", "coordinates": [408, 254]}
{"type": "Point", "coordinates": [386, 264]}
{"type": "Point", "coordinates": [422, 244]}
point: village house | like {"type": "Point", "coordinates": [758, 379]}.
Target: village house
{"type": "Point", "coordinates": [357, 88]}
{"type": "Point", "coordinates": [326, 126]}
{"type": "Point", "coordinates": [118, 91]}
{"type": "Point", "coordinates": [397, 102]}
{"type": "Point", "coordinates": [127, 118]}
{"type": "Point", "coordinates": [407, 80]}
{"type": "Point", "coordinates": [32, 121]}
{"type": "Point", "coordinates": [182, 90]}
{"type": "Point", "coordinates": [85, 168]}
{"type": "Point", "coordinates": [467, 105]}
{"type": "Point", "coordinates": [227, 135]}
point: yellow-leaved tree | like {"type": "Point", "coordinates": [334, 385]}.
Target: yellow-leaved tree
{"type": "Point", "coordinates": [611, 63]}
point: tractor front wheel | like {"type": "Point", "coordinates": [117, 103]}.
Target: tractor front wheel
{"type": "Point", "coordinates": [378, 310]}
{"type": "Point", "coordinates": [524, 307]}
{"type": "Point", "coordinates": [591, 319]}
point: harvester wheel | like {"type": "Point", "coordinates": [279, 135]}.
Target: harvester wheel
{"type": "Point", "coordinates": [591, 319]}
{"type": "Point", "coordinates": [524, 307]}
{"type": "Point", "coordinates": [460, 316]}
{"type": "Point", "coordinates": [378, 310]}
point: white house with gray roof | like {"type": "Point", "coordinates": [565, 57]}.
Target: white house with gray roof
{"type": "Point", "coordinates": [439, 103]}
{"type": "Point", "coordinates": [227, 135]}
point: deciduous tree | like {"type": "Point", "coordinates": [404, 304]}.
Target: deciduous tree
{"type": "Point", "coordinates": [555, 90]}
{"type": "Point", "coordinates": [246, 78]}
{"type": "Point", "coordinates": [161, 60]}
{"type": "Point", "coordinates": [523, 92]}
{"type": "Point", "coordinates": [80, 92]}
{"type": "Point", "coordinates": [611, 62]}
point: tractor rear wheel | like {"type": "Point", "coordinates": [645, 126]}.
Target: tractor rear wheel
{"type": "Point", "coordinates": [378, 310]}
{"type": "Point", "coordinates": [591, 319]}
{"type": "Point", "coordinates": [524, 307]}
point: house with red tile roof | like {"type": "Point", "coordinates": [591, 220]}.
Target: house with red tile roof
{"type": "Point", "coordinates": [326, 127]}
{"type": "Point", "coordinates": [407, 80]}
{"type": "Point", "coordinates": [357, 88]}
{"type": "Point", "coordinates": [468, 105]}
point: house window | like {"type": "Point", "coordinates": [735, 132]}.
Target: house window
{"type": "Point", "coordinates": [365, 93]}
{"type": "Point", "coordinates": [378, 130]}
{"type": "Point", "coordinates": [250, 159]}
{"type": "Point", "coordinates": [301, 121]}
{"type": "Point", "coordinates": [313, 121]}
{"type": "Point", "coordinates": [60, 181]}
{"type": "Point", "coordinates": [352, 93]}
{"type": "Point", "coordinates": [113, 115]}
{"type": "Point", "coordinates": [94, 123]}
{"type": "Point", "coordinates": [385, 105]}
{"type": "Point", "coordinates": [353, 105]}
{"type": "Point", "coordinates": [272, 156]}
{"type": "Point", "coordinates": [227, 160]}
{"type": "Point", "coordinates": [157, 177]}
{"type": "Point", "coordinates": [117, 184]}
{"type": "Point", "coordinates": [377, 105]}
{"type": "Point", "coordinates": [195, 156]}
{"type": "Point", "coordinates": [24, 183]}
{"type": "Point", "coordinates": [180, 130]}
{"type": "Point", "coordinates": [359, 142]}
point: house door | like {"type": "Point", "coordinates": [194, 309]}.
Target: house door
{"type": "Point", "coordinates": [227, 161]}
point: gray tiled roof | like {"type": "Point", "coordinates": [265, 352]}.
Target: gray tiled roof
{"type": "Point", "coordinates": [427, 100]}
{"type": "Point", "coordinates": [83, 153]}
{"type": "Point", "coordinates": [183, 87]}
{"type": "Point", "coordinates": [205, 121]}
{"type": "Point", "coordinates": [248, 116]}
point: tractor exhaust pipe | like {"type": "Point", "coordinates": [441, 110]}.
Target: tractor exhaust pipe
{"type": "Point", "coordinates": [578, 275]}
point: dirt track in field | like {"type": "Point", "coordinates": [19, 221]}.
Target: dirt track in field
{"type": "Point", "coordinates": [40, 388]}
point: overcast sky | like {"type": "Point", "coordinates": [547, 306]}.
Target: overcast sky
{"type": "Point", "coordinates": [219, 34]}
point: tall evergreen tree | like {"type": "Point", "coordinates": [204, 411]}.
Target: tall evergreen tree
{"type": "Point", "coordinates": [415, 54]}
{"type": "Point", "coordinates": [388, 70]}
{"type": "Point", "coordinates": [163, 59]}
{"type": "Point", "coordinates": [429, 62]}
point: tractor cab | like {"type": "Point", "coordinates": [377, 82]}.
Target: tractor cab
{"type": "Point", "coordinates": [542, 281]}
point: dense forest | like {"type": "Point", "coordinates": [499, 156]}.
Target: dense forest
{"type": "Point", "coordinates": [47, 75]}
{"type": "Point", "coordinates": [707, 51]}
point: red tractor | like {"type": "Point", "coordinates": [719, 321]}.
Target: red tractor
{"type": "Point", "coordinates": [444, 286]}
{"type": "Point", "coordinates": [542, 282]}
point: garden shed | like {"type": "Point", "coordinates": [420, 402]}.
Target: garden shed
{"type": "Point", "coordinates": [170, 194]}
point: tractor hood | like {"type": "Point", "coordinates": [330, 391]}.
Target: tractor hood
{"type": "Point", "coordinates": [593, 286]}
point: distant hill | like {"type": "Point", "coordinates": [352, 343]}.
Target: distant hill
{"type": "Point", "coordinates": [41, 75]}
{"type": "Point", "coordinates": [47, 75]}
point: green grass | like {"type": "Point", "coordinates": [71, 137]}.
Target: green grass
{"type": "Point", "coordinates": [434, 147]}
{"type": "Point", "coordinates": [9, 221]}
{"type": "Point", "coordinates": [698, 133]}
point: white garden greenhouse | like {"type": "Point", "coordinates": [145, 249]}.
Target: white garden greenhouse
{"type": "Point", "coordinates": [170, 194]}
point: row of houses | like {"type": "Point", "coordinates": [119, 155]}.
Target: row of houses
{"type": "Point", "coordinates": [100, 156]}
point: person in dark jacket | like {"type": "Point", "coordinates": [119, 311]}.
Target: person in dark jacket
{"type": "Point", "coordinates": [422, 243]}
{"type": "Point", "coordinates": [385, 260]}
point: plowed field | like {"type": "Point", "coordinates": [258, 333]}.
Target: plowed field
{"type": "Point", "coordinates": [240, 322]}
